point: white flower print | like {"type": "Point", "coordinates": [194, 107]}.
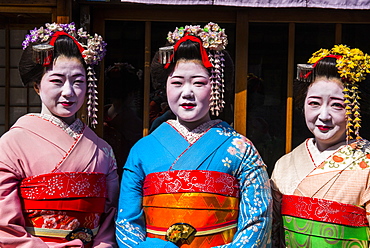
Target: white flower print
{"type": "Point", "coordinates": [253, 210]}
{"type": "Point", "coordinates": [226, 162]}
{"type": "Point", "coordinates": [244, 240]}
{"type": "Point", "coordinates": [80, 187]}
{"type": "Point", "coordinates": [49, 223]}
{"type": "Point", "coordinates": [231, 150]}
{"type": "Point", "coordinates": [73, 224]}
{"type": "Point", "coordinates": [240, 144]}
{"type": "Point", "coordinates": [257, 202]}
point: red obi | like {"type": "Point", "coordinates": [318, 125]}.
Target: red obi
{"type": "Point", "coordinates": [206, 200]}
{"type": "Point", "coordinates": [63, 206]}
{"type": "Point", "coordinates": [323, 210]}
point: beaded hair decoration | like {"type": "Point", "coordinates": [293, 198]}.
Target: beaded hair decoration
{"type": "Point", "coordinates": [212, 40]}
{"type": "Point", "coordinates": [92, 49]}
{"type": "Point", "coordinates": [353, 65]}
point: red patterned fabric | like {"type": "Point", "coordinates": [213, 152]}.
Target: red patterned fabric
{"type": "Point", "coordinates": [64, 185]}
{"type": "Point", "coordinates": [207, 200]}
{"type": "Point", "coordinates": [323, 210]}
{"type": "Point", "coordinates": [186, 181]}
{"type": "Point", "coordinates": [66, 200]}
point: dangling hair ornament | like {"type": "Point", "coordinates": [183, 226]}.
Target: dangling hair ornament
{"type": "Point", "coordinates": [212, 40]}
{"type": "Point", "coordinates": [353, 65]}
{"type": "Point", "coordinates": [92, 49]}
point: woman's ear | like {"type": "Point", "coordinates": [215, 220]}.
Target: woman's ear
{"type": "Point", "coordinates": [36, 88]}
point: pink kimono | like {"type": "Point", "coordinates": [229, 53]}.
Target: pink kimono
{"type": "Point", "coordinates": [36, 146]}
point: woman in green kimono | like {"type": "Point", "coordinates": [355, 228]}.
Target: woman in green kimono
{"type": "Point", "coordinates": [321, 189]}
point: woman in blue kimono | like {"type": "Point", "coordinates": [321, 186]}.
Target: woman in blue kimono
{"type": "Point", "coordinates": [194, 181]}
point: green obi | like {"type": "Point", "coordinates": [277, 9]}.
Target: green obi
{"type": "Point", "coordinates": [318, 223]}
{"type": "Point", "coordinates": [315, 234]}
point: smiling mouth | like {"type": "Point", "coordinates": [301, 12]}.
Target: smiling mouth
{"type": "Point", "coordinates": [324, 128]}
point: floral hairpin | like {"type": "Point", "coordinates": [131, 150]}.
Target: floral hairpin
{"type": "Point", "coordinates": [214, 39]}
{"type": "Point", "coordinates": [353, 65]}
{"type": "Point", "coordinates": [212, 36]}
{"type": "Point", "coordinates": [92, 49]}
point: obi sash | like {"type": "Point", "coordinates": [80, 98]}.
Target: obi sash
{"type": "Point", "coordinates": [63, 206]}
{"type": "Point", "coordinates": [207, 200]}
{"type": "Point", "coordinates": [312, 222]}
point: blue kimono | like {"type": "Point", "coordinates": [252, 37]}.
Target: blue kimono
{"type": "Point", "coordinates": [213, 146]}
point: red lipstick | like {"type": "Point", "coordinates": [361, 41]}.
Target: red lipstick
{"type": "Point", "coordinates": [187, 105]}
{"type": "Point", "coordinates": [324, 128]}
{"type": "Point", "coordinates": [67, 104]}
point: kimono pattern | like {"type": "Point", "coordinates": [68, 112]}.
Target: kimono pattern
{"type": "Point", "coordinates": [213, 146]}
{"type": "Point", "coordinates": [39, 144]}
{"type": "Point", "coordinates": [339, 174]}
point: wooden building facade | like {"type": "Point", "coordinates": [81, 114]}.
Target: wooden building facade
{"type": "Point", "coordinates": [265, 43]}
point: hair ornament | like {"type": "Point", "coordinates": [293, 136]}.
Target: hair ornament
{"type": "Point", "coordinates": [212, 41]}
{"type": "Point", "coordinates": [42, 53]}
{"type": "Point", "coordinates": [353, 65]}
{"type": "Point", "coordinates": [92, 49]}
{"type": "Point", "coordinates": [304, 72]}
{"type": "Point", "coordinates": [166, 55]}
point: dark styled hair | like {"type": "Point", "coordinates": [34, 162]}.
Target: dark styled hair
{"type": "Point", "coordinates": [31, 72]}
{"type": "Point", "coordinates": [187, 50]}
{"type": "Point", "coordinates": [325, 68]}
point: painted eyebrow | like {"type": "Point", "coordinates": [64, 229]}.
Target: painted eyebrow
{"type": "Point", "coordinates": [315, 97]}
{"type": "Point", "coordinates": [337, 98]}
{"type": "Point", "coordinates": [333, 98]}
{"type": "Point", "coordinates": [199, 76]}
{"type": "Point", "coordinates": [57, 74]}
{"type": "Point", "coordinates": [62, 75]}
{"type": "Point", "coordinates": [195, 76]}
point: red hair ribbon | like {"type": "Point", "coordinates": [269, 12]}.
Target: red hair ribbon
{"type": "Point", "coordinates": [314, 65]}
{"type": "Point", "coordinates": [203, 52]}
{"type": "Point", "coordinates": [55, 36]}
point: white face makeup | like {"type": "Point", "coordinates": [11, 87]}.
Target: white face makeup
{"type": "Point", "coordinates": [188, 93]}
{"type": "Point", "coordinates": [324, 110]}
{"type": "Point", "coordinates": [62, 89]}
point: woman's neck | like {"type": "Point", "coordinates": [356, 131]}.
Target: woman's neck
{"type": "Point", "coordinates": [194, 124]}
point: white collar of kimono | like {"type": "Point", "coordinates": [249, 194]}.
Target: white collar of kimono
{"type": "Point", "coordinates": [319, 157]}
{"type": "Point", "coordinates": [193, 135]}
{"type": "Point", "coordinates": [74, 130]}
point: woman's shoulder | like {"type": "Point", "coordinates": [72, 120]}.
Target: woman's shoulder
{"type": "Point", "coordinates": [11, 135]}
{"type": "Point", "coordinates": [300, 150]}
{"type": "Point", "coordinates": [144, 142]}
{"type": "Point", "coordinates": [14, 134]}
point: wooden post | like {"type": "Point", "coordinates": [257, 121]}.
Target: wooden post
{"type": "Point", "coordinates": [241, 73]}
{"type": "Point", "coordinates": [289, 103]}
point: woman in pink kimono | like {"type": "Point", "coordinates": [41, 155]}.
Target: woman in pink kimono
{"type": "Point", "coordinates": [321, 189]}
{"type": "Point", "coordinates": [58, 179]}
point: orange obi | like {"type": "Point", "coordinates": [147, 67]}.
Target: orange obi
{"type": "Point", "coordinates": [208, 201]}
{"type": "Point", "coordinates": [64, 206]}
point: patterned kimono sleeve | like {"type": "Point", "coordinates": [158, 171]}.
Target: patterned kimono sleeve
{"type": "Point", "coordinates": [12, 230]}
{"type": "Point", "coordinates": [365, 197]}
{"type": "Point", "coordinates": [106, 237]}
{"type": "Point", "coordinates": [255, 210]}
{"type": "Point", "coordinates": [277, 234]}
{"type": "Point", "coordinates": [130, 221]}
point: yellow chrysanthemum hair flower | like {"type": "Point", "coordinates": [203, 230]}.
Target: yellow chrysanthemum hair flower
{"type": "Point", "coordinates": [353, 65]}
